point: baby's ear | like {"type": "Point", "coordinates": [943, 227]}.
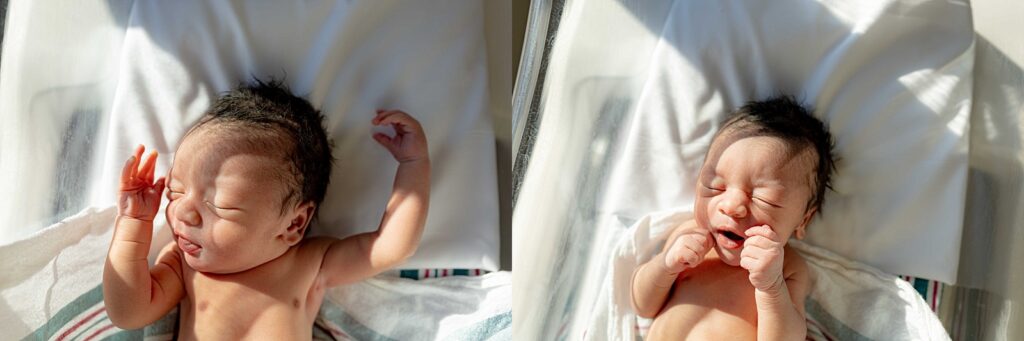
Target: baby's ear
{"type": "Point", "coordinates": [801, 229]}
{"type": "Point", "coordinates": [296, 229]}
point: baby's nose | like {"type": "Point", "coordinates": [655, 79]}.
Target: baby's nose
{"type": "Point", "coordinates": [191, 218]}
{"type": "Point", "coordinates": [732, 208]}
{"type": "Point", "coordinates": [186, 213]}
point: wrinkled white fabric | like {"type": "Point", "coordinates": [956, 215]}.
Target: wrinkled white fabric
{"type": "Point", "coordinates": [147, 70]}
{"type": "Point", "coordinates": [892, 80]}
{"type": "Point", "coordinates": [847, 300]}
{"type": "Point", "coordinates": [53, 269]}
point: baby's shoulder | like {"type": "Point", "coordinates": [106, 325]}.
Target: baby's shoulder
{"type": "Point", "coordinates": [313, 248]}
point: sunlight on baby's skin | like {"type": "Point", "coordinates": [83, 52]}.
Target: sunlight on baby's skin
{"type": "Point", "coordinates": [752, 195]}
{"type": "Point", "coordinates": [239, 265]}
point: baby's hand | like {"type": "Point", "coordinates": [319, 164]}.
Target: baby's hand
{"type": "Point", "coordinates": [688, 250]}
{"type": "Point", "coordinates": [409, 143]}
{"type": "Point", "coordinates": [762, 256]}
{"type": "Point", "coordinates": [140, 196]}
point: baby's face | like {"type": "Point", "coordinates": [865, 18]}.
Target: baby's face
{"type": "Point", "coordinates": [225, 205]}
{"type": "Point", "coordinates": [752, 181]}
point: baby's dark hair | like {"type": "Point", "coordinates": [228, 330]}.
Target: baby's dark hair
{"type": "Point", "coordinates": [268, 117]}
{"type": "Point", "coordinates": [784, 117]}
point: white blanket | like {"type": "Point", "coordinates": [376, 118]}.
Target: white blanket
{"type": "Point", "coordinates": [848, 300]}
{"type": "Point", "coordinates": [51, 288]}
{"type": "Point", "coordinates": [891, 78]}
{"type": "Point", "coordinates": [91, 79]}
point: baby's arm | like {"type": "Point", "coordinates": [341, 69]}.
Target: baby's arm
{"type": "Point", "coordinates": [652, 281]}
{"type": "Point", "coordinates": [134, 294]}
{"type": "Point", "coordinates": [364, 255]}
{"type": "Point", "coordinates": [780, 285]}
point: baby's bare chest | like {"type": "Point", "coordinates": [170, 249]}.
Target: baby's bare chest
{"type": "Point", "coordinates": [713, 301]}
{"type": "Point", "coordinates": [255, 304]}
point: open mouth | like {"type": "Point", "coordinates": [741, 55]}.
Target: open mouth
{"type": "Point", "coordinates": [729, 239]}
{"type": "Point", "coordinates": [732, 236]}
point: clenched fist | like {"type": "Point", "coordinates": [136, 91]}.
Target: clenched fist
{"type": "Point", "coordinates": [688, 250]}
{"type": "Point", "coordinates": [762, 256]}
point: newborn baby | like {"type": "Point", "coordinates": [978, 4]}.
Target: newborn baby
{"type": "Point", "coordinates": [763, 179]}
{"type": "Point", "coordinates": [244, 184]}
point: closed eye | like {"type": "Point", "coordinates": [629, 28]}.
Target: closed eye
{"type": "Point", "coordinates": [711, 188]}
{"type": "Point", "coordinates": [766, 202]}
{"type": "Point", "coordinates": [222, 208]}
{"type": "Point", "coordinates": [171, 195]}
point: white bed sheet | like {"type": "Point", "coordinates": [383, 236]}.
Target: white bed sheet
{"type": "Point", "coordinates": [160, 64]}
{"type": "Point", "coordinates": [847, 300]}
{"type": "Point", "coordinates": [54, 291]}
{"type": "Point", "coordinates": [633, 92]}
{"type": "Point", "coordinates": [892, 80]}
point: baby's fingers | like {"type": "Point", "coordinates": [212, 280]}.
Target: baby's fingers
{"type": "Point", "coordinates": [760, 242]}
{"type": "Point", "coordinates": [388, 117]}
{"type": "Point", "coordinates": [697, 243]}
{"type": "Point", "coordinates": [128, 172]}
{"type": "Point", "coordinates": [158, 187]}
{"type": "Point", "coordinates": [762, 231]}
{"type": "Point", "coordinates": [148, 168]}
{"type": "Point", "coordinates": [384, 140]}
{"type": "Point", "coordinates": [402, 122]}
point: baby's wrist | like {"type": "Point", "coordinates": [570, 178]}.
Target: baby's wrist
{"type": "Point", "coordinates": [666, 269]}
{"type": "Point", "coordinates": [424, 160]}
{"type": "Point", "coordinates": [125, 217]}
{"type": "Point", "coordinates": [663, 276]}
{"type": "Point", "coordinates": [773, 291]}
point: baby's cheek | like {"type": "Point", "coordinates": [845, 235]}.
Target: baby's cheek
{"type": "Point", "coordinates": [701, 206]}
{"type": "Point", "coordinates": [168, 209]}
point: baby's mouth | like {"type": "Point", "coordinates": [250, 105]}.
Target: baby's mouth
{"type": "Point", "coordinates": [732, 236]}
{"type": "Point", "coordinates": [188, 246]}
{"type": "Point", "coordinates": [729, 239]}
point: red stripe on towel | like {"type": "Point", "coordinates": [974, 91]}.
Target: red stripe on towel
{"type": "Point", "coordinates": [97, 333]}
{"type": "Point", "coordinates": [444, 273]}
{"type": "Point", "coordinates": [80, 323]}
{"type": "Point", "coordinates": [935, 295]}
{"type": "Point", "coordinates": [427, 275]}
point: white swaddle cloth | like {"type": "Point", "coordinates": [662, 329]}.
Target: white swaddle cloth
{"type": "Point", "coordinates": [847, 301]}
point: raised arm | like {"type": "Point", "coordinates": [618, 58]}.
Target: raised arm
{"type": "Point", "coordinates": [395, 240]}
{"type": "Point", "coordinates": [652, 281]}
{"type": "Point", "coordinates": [780, 285]}
{"type": "Point", "coordinates": [134, 294]}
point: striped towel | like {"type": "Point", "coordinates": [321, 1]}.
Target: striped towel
{"type": "Point", "coordinates": [436, 273]}
{"type": "Point", "coordinates": [51, 289]}
{"type": "Point", "coordinates": [930, 290]}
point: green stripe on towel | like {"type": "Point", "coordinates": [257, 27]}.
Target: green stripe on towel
{"type": "Point", "coordinates": [93, 299]}
{"type": "Point", "coordinates": [922, 287]}
{"type": "Point", "coordinates": [418, 274]}
{"type": "Point", "coordinates": [64, 316]}
{"type": "Point", "coordinates": [410, 274]}
{"type": "Point", "coordinates": [831, 325]}
{"type": "Point", "coordinates": [349, 325]}
{"type": "Point", "coordinates": [494, 327]}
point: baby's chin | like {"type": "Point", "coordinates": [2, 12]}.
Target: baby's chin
{"type": "Point", "coordinates": [199, 264]}
{"type": "Point", "coordinates": [728, 256]}
{"type": "Point", "coordinates": [211, 264]}
{"type": "Point", "coordinates": [206, 264]}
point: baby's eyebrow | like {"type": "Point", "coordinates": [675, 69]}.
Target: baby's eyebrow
{"type": "Point", "coordinates": [768, 181]}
